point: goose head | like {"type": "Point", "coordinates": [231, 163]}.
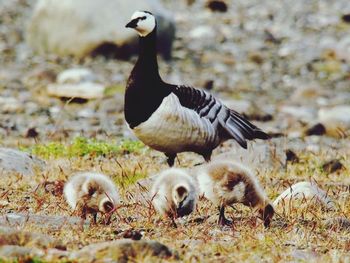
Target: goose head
{"type": "Point", "coordinates": [143, 22]}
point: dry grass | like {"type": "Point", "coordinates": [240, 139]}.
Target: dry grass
{"type": "Point", "coordinates": [297, 233]}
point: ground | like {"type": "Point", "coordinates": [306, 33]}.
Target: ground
{"type": "Point", "coordinates": [261, 54]}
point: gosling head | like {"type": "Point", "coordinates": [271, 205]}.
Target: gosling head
{"type": "Point", "coordinates": [143, 22]}
{"type": "Point", "coordinates": [96, 197]}
{"type": "Point", "coordinates": [174, 193]}
{"type": "Point", "coordinates": [184, 204]}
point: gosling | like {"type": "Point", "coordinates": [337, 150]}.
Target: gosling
{"type": "Point", "coordinates": [90, 193]}
{"type": "Point", "coordinates": [174, 194]}
{"type": "Point", "coordinates": [225, 183]}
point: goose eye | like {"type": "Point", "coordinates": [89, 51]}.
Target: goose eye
{"type": "Point", "coordinates": [143, 18]}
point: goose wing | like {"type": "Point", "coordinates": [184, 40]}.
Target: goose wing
{"type": "Point", "coordinates": [212, 109]}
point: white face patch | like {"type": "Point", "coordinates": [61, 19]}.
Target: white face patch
{"type": "Point", "coordinates": [180, 192]}
{"type": "Point", "coordinates": [146, 23]}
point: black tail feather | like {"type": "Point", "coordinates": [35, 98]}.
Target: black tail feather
{"type": "Point", "coordinates": [241, 129]}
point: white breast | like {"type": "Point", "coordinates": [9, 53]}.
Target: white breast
{"type": "Point", "coordinates": [173, 128]}
{"type": "Point", "coordinates": [206, 187]}
{"type": "Point", "coordinates": [70, 194]}
{"type": "Point", "coordinates": [216, 193]}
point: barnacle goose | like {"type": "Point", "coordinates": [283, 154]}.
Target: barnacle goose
{"type": "Point", "coordinates": [225, 183]}
{"type": "Point", "coordinates": [90, 193]}
{"type": "Point", "coordinates": [174, 193]}
{"type": "Point", "coordinates": [176, 118]}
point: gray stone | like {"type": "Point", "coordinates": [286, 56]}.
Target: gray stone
{"type": "Point", "coordinates": [241, 106]}
{"type": "Point", "coordinates": [122, 250]}
{"type": "Point", "coordinates": [76, 75]}
{"type": "Point", "coordinates": [10, 105]}
{"type": "Point", "coordinates": [260, 155]}
{"type": "Point", "coordinates": [85, 27]}
{"type": "Point", "coordinates": [302, 113]}
{"type": "Point", "coordinates": [77, 83]}
{"type": "Point", "coordinates": [84, 90]}
{"type": "Point", "coordinates": [51, 222]}
{"type": "Point", "coordinates": [27, 254]}
{"type": "Point", "coordinates": [336, 120]}
{"type": "Point", "coordinates": [22, 163]}
{"type": "Point", "coordinates": [305, 191]}
{"type": "Point", "coordinates": [299, 255]}
{"type": "Point", "coordinates": [340, 223]}
{"type": "Point", "coordinates": [203, 31]}
{"type": "Point", "coordinates": [15, 253]}
{"type": "Point", "coordinates": [15, 237]}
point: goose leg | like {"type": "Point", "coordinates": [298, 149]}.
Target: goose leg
{"type": "Point", "coordinates": [171, 158]}
{"type": "Point", "coordinates": [94, 218]}
{"type": "Point", "coordinates": [267, 214]}
{"type": "Point", "coordinates": [222, 219]}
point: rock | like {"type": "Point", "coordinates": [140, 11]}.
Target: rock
{"type": "Point", "coordinates": [202, 32]}
{"type": "Point", "coordinates": [341, 223]}
{"type": "Point", "coordinates": [10, 105]}
{"type": "Point", "coordinates": [305, 191]}
{"type": "Point", "coordinates": [241, 106]}
{"type": "Point", "coordinates": [262, 156]}
{"type": "Point", "coordinates": [76, 75]}
{"type": "Point", "coordinates": [51, 222]}
{"type": "Point", "coordinates": [299, 255]}
{"type": "Point", "coordinates": [317, 129]}
{"type": "Point", "coordinates": [86, 27]}
{"type": "Point", "coordinates": [346, 18]}
{"type": "Point", "coordinates": [306, 93]}
{"type": "Point", "coordinates": [259, 116]}
{"type": "Point", "coordinates": [332, 166]}
{"type": "Point", "coordinates": [132, 234]}
{"type": "Point", "coordinates": [83, 90]}
{"type": "Point", "coordinates": [19, 254]}
{"type": "Point", "coordinates": [14, 253]}
{"type": "Point", "coordinates": [31, 133]}
{"type": "Point", "coordinates": [123, 250]}
{"type": "Point", "coordinates": [12, 160]}
{"type": "Point", "coordinates": [291, 156]}
{"type": "Point", "coordinates": [77, 83]}
{"type": "Point", "coordinates": [336, 120]}
{"type": "Point", "coordinates": [217, 6]}
{"type": "Point", "coordinates": [302, 113]}
{"type": "Point", "coordinates": [14, 237]}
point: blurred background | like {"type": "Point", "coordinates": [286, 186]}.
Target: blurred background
{"type": "Point", "coordinates": [284, 64]}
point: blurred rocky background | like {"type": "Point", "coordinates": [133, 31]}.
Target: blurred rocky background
{"type": "Point", "coordinates": [283, 63]}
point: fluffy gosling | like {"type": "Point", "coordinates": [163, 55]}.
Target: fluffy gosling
{"type": "Point", "coordinates": [225, 183]}
{"type": "Point", "coordinates": [90, 193]}
{"type": "Point", "coordinates": [174, 193]}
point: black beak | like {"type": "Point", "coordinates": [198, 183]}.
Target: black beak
{"type": "Point", "coordinates": [132, 23]}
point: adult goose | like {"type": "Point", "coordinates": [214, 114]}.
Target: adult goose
{"type": "Point", "coordinates": [176, 118]}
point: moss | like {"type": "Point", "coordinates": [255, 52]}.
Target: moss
{"type": "Point", "coordinates": [129, 178]}
{"type": "Point", "coordinates": [111, 90]}
{"type": "Point", "coordinates": [81, 146]}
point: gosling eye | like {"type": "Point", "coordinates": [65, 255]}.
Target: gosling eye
{"type": "Point", "coordinates": [92, 192]}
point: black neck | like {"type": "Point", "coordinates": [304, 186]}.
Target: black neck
{"type": "Point", "coordinates": [148, 53]}
{"type": "Point", "coordinates": [145, 89]}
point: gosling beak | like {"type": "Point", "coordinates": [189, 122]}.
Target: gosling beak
{"type": "Point", "coordinates": [132, 23]}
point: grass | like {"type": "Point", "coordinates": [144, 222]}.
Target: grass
{"type": "Point", "coordinates": [81, 146]}
{"type": "Point", "coordinates": [297, 233]}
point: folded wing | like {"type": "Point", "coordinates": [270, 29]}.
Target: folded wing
{"type": "Point", "coordinates": [212, 109]}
